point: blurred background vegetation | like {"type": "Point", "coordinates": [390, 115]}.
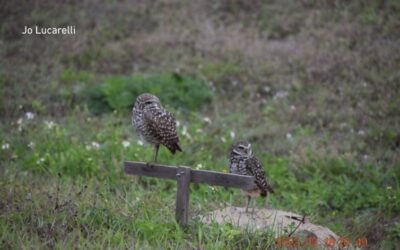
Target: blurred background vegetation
{"type": "Point", "coordinates": [314, 85]}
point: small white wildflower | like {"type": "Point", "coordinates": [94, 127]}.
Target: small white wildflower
{"type": "Point", "coordinates": [199, 166]}
{"type": "Point", "coordinates": [343, 125]}
{"type": "Point", "coordinates": [41, 160]}
{"type": "Point", "coordinates": [28, 196]}
{"type": "Point", "coordinates": [49, 124]}
{"type": "Point", "coordinates": [364, 84]}
{"type": "Point", "coordinates": [178, 124]}
{"type": "Point", "coordinates": [223, 139]}
{"type": "Point", "coordinates": [365, 157]}
{"type": "Point", "coordinates": [289, 136]}
{"type": "Point", "coordinates": [95, 145]}
{"type": "Point", "coordinates": [188, 136]}
{"type": "Point", "coordinates": [184, 130]}
{"type": "Point", "coordinates": [207, 120]}
{"type": "Point", "coordinates": [19, 121]}
{"type": "Point", "coordinates": [5, 146]}
{"type": "Point", "coordinates": [29, 115]}
{"type": "Point", "coordinates": [186, 133]}
{"type": "Point", "coordinates": [212, 188]}
{"type": "Point", "coordinates": [199, 130]}
{"type": "Point", "coordinates": [361, 132]}
{"type": "Point", "coordinates": [126, 144]}
{"type": "Point", "coordinates": [234, 82]}
{"type": "Point", "coordinates": [292, 107]}
{"type": "Point", "coordinates": [388, 187]}
{"type": "Point", "coordinates": [232, 134]}
{"type": "Point", "coordinates": [280, 94]}
{"type": "Point", "coordinates": [139, 142]}
{"type": "Point", "coordinates": [89, 159]}
{"type": "Point", "coordinates": [31, 144]}
{"type": "Point", "coordinates": [267, 89]}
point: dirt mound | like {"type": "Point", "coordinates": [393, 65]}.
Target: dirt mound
{"type": "Point", "coordinates": [281, 222]}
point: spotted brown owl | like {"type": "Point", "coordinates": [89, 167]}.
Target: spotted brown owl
{"type": "Point", "coordinates": [242, 161]}
{"type": "Point", "coordinates": [154, 124]}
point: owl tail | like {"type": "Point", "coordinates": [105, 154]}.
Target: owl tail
{"type": "Point", "coordinates": [267, 189]}
{"type": "Point", "coordinates": [173, 147]}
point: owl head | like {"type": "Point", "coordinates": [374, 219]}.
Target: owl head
{"type": "Point", "coordinates": [241, 149]}
{"type": "Point", "coordinates": [147, 100]}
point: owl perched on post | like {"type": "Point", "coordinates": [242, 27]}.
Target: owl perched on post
{"type": "Point", "coordinates": [242, 161]}
{"type": "Point", "coordinates": [154, 124]}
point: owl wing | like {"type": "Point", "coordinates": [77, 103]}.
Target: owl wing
{"type": "Point", "coordinates": [161, 124]}
{"type": "Point", "coordinates": [137, 116]}
{"type": "Point", "coordinates": [255, 168]}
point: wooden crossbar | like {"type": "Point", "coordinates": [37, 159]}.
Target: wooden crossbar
{"type": "Point", "coordinates": [196, 176]}
{"type": "Point", "coordinates": [184, 176]}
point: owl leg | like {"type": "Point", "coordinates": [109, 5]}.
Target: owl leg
{"type": "Point", "coordinates": [157, 147]}
{"type": "Point", "coordinates": [248, 202]}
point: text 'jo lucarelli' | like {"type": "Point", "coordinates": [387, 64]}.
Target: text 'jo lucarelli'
{"type": "Point", "coordinates": [68, 30]}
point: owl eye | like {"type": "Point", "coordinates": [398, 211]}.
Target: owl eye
{"type": "Point", "coordinates": [148, 102]}
{"type": "Point", "coordinates": [241, 147]}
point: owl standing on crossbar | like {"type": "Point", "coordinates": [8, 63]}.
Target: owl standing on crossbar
{"type": "Point", "coordinates": [154, 124]}
{"type": "Point", "coordinates": [242, 161]}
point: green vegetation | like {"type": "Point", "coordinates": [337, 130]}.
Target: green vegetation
{"type": "Point", "coordinates": [118, 92]}
{"type": "Point", "coordinates": [314, 85]}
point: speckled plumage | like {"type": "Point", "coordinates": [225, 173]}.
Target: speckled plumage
{"type": "Point", "coordinates": [154, 124]}
{"type": "Point", "coordinates": [242, 161]}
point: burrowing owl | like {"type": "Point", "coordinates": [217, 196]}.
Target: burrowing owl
{"type": "Point", "coordinates": [154, 124]}
{"type": "Point", "coordinates": [242, 161]}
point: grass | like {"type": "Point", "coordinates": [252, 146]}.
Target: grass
{"type": "Point", "coordinates": [117, 92]}
{"type": "Point", "coordinates": [64, 186]}
{"type": "Point", "coordinates": [91, 200]}
{"type": "Point", "coordinates": [313, 85]}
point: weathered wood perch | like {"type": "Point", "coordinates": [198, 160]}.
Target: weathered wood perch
{"type": "Point", "coordinates": [184, 176]}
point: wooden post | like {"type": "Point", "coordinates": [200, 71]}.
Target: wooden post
{"type": "Point", "coordinates": [182, 195]}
